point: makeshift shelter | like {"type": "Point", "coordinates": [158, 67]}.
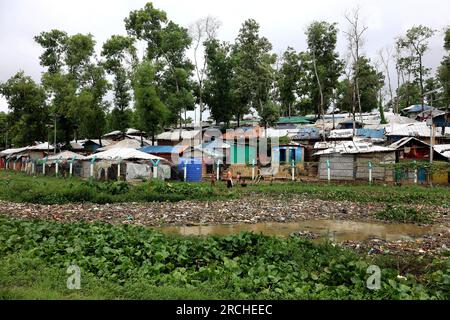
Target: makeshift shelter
{"type": "Point", "coordinates": [177, 136]}
{"type": "Point", "coordinates": [356, 161]}
{"type": "Point", "coordinates": [128, 163]}
{"type": "Point", "coordinates": [419, 130]}
{"type": "Point", "coordinates": [170, 153]}
{"type": "Point", "coordinates": [126, 143]}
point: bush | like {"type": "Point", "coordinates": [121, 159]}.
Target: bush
{"type": "Point", "coordinates": [404, 214]}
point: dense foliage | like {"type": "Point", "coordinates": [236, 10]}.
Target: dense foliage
{"type": "Point", "coordinates": [246, 266]}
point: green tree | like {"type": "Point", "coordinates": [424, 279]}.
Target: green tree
{"type": "Point", "coordinates": [444, 70]}
{"type": "Point", "coordinates": [120, 56]}
{"type": "Point", "coordinates": [28, 112]}
{"type": "Point", "coordinates": [150, 110]}
{"type": "Point", "coordinates": [370, 82]}
{"type": "Point", "coordinates": [167, 43]}
{"type": "Point", "coordinates": [324, 63]}
{"type": "Point", "coordinates": [253, 74]}
{"type": "Point", "coordinates": [218, 84]}
{"type": "Point", "coordinates": [75, 83]}
{"type": "Point", "coordinates": [54, 44]}
{"type": "Point", "coordinates": [408, 94]}
{"type": "Point", "coordinates": [4, 128]}
{"type": "Point", "coordinates": [270, 114]}
{"type": "Point", "coordinates": [416, 41]}
{"type": "Point", "coordinates": [289, 78]}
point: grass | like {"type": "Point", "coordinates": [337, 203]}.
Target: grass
{"type": "Point", "coordinates": [18, 187]}
{"type": "Point", "coordinates": [132, 262]}
{"type": "Point", "coordinates": [404, 214]}
{"type": "Point", "coordinates": [360, 192]}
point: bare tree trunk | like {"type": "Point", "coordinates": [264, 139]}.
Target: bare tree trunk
{"type": "Point", "coordinates": [321, 94]}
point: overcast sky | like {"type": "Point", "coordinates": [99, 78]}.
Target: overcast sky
{"type": "Point", "coordinates": [282, 21]}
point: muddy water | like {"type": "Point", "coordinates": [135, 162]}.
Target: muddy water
{"type": "Point", "coordinates": [337, 230]}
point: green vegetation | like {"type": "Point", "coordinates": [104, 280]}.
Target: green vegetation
{"type": "Point", "coordinates": [362, 193]}
{"type": "Point", "coordinates": [135, 262]}
{"type": "Point", "coordinates": [404, 214]}
{"type": "Point", "coordinates": [18, 187]}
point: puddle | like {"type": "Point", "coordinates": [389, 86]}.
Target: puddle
{"type": "Point", "coordinates": [337, 230]}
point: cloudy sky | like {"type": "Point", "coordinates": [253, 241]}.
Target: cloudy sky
{"type": "Point", "coordinates": [283, 22]}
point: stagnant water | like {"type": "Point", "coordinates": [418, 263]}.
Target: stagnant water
{"type": "Point", "coordinates": [337, 230]}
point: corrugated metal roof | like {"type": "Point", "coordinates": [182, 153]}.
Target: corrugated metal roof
{"type": "Point", "coordinates": [66, 155]}
{"type": "Point", "coordinates": [353, 147]}
{"type": "Point", "coordinates": [126, 143]}
{"type": "Point", "coordinates": [296, 119]}
{"type": "Point", "coordinates": [164, 149]}
{"type": "Point", "coordinates": [123, 154]}
{"type": "Point", "coordinates": [416, 108]}
{"type": "Point", "coordinates": [174, 135]}
{"type": "Point", "coordinates": [403, 141]}
{"type": "Point", "coordinates": [418, 129]}
{"type": "Point", "coordinates": [443, 149]}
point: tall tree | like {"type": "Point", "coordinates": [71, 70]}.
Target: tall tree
{"type": "Point", "coordinates": [355, 42]}
{"type": "Point", "coordinates": [202, 31]}
{"type": "Point", "coordinates": [270, 115]}
{"type": "Point", "coordinates": [120, 56]}
{"type": "Point", "coordinates": [444, 71]}
{"type": "Point", "coordinates": [4, 130]}
{"type": "Point", "coordinates": [253, 73]}
{"type": "Point", "coordinates": [74, 82]}
{"type": "Point", "coordinates": [28, 112]}
{"type": "Point", "coordinates": [416, 40]}
{"type": "Point", "coordinates": [150, 110]}
{"type": "Point", "coordinates": [289, 77]}
{"type": "Point", "coordinates": [218, 84]}
{"type": "Point", "coordinates": [325, 65]}
{"type": "Point", "coordinates": [370, 80]}
{"type": "Point", "coordinates": [385, 55]}
{"type": "Point", "coordinates": [167, 43]}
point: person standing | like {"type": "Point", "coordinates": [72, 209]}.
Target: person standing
{"type": "Point", "coordinates": [229, 179]}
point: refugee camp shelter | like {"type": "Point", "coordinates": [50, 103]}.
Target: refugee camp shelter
{"type": "Point", "coordinates": [125, 143]}
{"type": "Point", "coordinates": [353, 160]}
{"type": "Point", "coordinates": [419, 130]}
{"type": "Point", "coordinates": [63, 159]}
{"type": "Point", "coordinates": [413, 110]}
{"type": "Point", "coordinates": [168, 152]}
{"type": "Point", "coordinates": [127, 163]}
{"type": "Point", "coordinates": [286, 153]}
{"type": "Point", "coordinates": [178, 136]}
{"type": "Point", "coordinates": [410, 148]}
{"type": "Point", "coordinates": [291, 122]}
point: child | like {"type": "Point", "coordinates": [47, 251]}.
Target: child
{"type": "Point", "coordinates": [229, 179]}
